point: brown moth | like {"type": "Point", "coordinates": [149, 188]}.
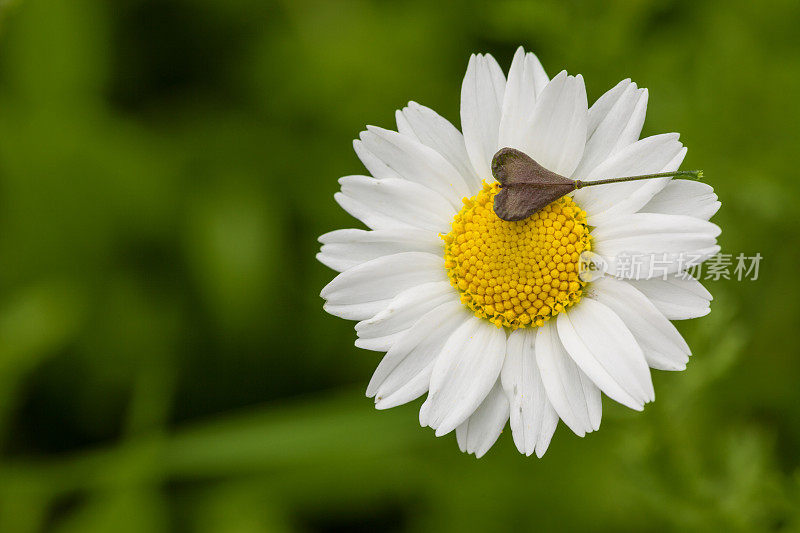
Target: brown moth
{"type": "Point", "coordinates": [527, 186]}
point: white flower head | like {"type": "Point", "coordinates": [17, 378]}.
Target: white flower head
{"type": "Point", "coordinates": [492, 318]}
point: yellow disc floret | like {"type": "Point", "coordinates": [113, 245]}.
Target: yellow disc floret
{"type": "Point", "coordinates": [516, 274]}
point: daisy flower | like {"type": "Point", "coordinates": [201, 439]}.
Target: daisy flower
{"type": "Point", "coordinates": [493, 319]}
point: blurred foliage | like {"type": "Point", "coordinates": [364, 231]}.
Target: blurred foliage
{"type": "Point", "coordinates": [165, 364]}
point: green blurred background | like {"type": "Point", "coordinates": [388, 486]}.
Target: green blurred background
{"type": "Point", "coordinates": [165, 363]}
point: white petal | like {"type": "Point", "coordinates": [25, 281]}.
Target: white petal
{"type": "Point", "coordinates": [655, 265]}
{"type": "Point", "coordinates": [406, 308]}
{"type": "Point", "coordinates": [412, 388]}
{"type": "Point", "coordinates": [684, 197]}
{"type": "Point", "coordinates": [383, 330]}
{"type": "Point", "coordinates": [642, 225]}
{"type": "Point", "coordinates": [404, 126]}
{"type": "Point", "coordinates": [480, 431]}
{"type": "Point", "coordinates": [526, 79]}
{"type": "Point", "coordinates": [534, 66]}
{"type": "Point", "coordinates": [356, 311]}
{"type": "Point", "coordinates": [416, 162]}
{"type": "Point", "coordinates": [463, 374]}
{"type": "Point", "coordinates": [436, 132]}
{"type": "Point", "coordinates": [533, 419]}
{"type": "Point", "coordinates": [662, 344]}
{"type": "Point", "coordinates": [373, 164]}
{"type": "Point", "coordinates": [379, 344]}
{"type": "Point", "coordinates": [659, 153]}
{"type": "Point", "coordinates": [378, 281]}
{"type": "Point", "coordinates": [647, 245]}
{"type": "Point", "coordinates": [394, 203]}
{"type": "Point", "coordinates": [615, 127]}
{"type": "Point", "coordinates": [481, 108]}
{"type": "Point", "coordinates": [603, 105]}
{"type": "Point", "coordinates": [572, 394]}
{"type": "Point", "coordinates": [603, 347]}
{"type": "Point", "coordinates": [346, 248]}
{"type": "Point", "coordinates": [540, 77]}
{"type": "Point", "coordinates": [555, 135]}
{"type": "Point", "coordinates": [677, 297]}
{"type": "Point", "coordinates": [414, 353]}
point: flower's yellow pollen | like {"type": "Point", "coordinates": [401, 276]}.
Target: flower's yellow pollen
{"type": "Point", "coordinates": [516, 274]}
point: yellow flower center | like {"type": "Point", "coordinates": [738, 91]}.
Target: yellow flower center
{"type": "Point", "coordinates": [516, 274]}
